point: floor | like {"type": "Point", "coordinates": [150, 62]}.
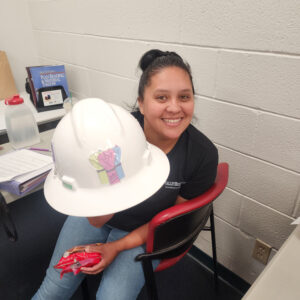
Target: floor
{"type": "Point", "coordinates": [187, 280]}
{"type": "Point", "coordinates": [23, 263]}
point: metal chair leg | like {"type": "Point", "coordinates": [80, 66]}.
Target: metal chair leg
{"type": "Point", "coordinates": [85, 289]}
{"type": "Point", "coordinates": [149, 279]}
{"type": "Point", "coordinates": [214, 248]}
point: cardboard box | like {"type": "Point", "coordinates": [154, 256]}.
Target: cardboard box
{"type": "Point", "coordinates": [7, 82]}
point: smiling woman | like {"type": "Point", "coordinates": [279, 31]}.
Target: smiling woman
{"type": "Point", "coordinates": [165, 109]}
{"type": "Point", "coordinates": [167, 106]}
{"type": "Point", "coordinates": [166, 97]}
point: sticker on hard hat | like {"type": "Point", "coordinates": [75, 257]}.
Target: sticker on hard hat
{"type": "Point", "coordinates": [108, 165]}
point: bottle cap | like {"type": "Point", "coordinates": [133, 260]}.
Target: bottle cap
{"type": "Point", "coordinates": [15, 100]}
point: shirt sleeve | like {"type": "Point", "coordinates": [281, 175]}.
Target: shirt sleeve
{"type": "Point", "coordinates": [203, 176]}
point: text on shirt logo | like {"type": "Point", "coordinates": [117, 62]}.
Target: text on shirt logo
{"type": "Point", "coordinates": [173, 184]}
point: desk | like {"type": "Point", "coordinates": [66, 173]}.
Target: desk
{"type": "Point", "coordinates": [41, 117]}
{"type": "Point", "coordinates": [280, 280]}
{"type": "Point", "coordinates": [46, 137]}
{"type": "Point", "coordinates": [46, 120]}
{"type": "Point", "coordinates": [24, 262]}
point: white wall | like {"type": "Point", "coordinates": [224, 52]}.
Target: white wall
{"type": "Point", "coordinates": [246, 65]}
{"type": "Point", "coordinates": [16, 38]}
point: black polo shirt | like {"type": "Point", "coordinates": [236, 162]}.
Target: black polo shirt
{"type": "Point", "coordinates": [193, 167]}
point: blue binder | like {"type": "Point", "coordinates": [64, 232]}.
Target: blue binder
{"type": "Point", "coordinates": [21, 188]}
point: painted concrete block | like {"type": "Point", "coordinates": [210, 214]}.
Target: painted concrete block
{"type": "Point", "coordinates": [114, 56]}
{"type": "Point", "coordinates": [121, 57]}
{"type": "Point", "coordinates": [227, 206]}
{"type": "Point", "coordinates": [265, 223]}
{"type": "Point", "coordinates": [203, 63]}
{"type": "Point", "coordinates": [140, 20]}
{"type": "Point", "coordinates": [226, 124]}
{"type": "Point", "coordinates": [277, 140]}
{"type": "Point", "coordinates": [58, 46]}
{"type": "Point", "coordinates": [266, 183]}
{"type": "Point", "coordinates": [256, 25]}
{"type": "Point", "coordinates": [263, 81]}
{"type": "Point", "coordinates": [114, 89]}
{"type": "Point", "coordinates": [63, 15]}
{"type": "Point", "coordinates": [78, 80]}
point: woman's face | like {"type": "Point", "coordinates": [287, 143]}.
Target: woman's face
{"type": "Point", "coordinates": [168, 105]}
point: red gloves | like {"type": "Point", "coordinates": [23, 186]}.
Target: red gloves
{"type": "Point", "coordinates": [75, 258]}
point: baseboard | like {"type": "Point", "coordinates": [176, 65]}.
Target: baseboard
{"type": "Point", "coordinates": [225, 274]}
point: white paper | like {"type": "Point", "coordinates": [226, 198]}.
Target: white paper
{"type": "Point", "coordinates": [296, 222]}
{"type": "Point", "coordinates": [28, 176]}
{"type": "Point", "coordinates": [20, 162]}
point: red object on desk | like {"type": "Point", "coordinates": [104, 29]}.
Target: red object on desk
{"type": "Point", "coordinates": [75, 261]}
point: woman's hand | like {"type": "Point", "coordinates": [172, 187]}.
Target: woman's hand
{"type": "Point", "coordinates": [108, 252]}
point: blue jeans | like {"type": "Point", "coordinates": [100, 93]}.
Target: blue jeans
{"type": "Point", "coordinates": [121, 280]}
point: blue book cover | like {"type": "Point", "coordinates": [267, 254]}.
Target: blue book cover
{"type": "Point", "coordinates": [49, 85]}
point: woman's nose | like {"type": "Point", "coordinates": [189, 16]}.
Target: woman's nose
{"type": "Point", "coordinates": [173, 106]}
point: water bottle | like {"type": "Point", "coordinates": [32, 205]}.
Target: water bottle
{"type": "Point", "coordinates": [20, 123]}
{"type": "Point", "coordinates": [69, 103]}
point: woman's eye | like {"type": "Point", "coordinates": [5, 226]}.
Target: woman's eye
{"type": "Point", "coordinates": [185, 97]}
{"type": "Point", "coordinates": [161, 97]}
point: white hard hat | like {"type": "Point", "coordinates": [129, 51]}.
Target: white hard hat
{"type": "Point", "coordinates": [103, 163]}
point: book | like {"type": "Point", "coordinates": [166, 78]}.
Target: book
{"type": "Point", "coordinates": [47, 86]}
{"type": "Point", "coordinates": [22, 162]}
{"type": "Point", "coordinates": [23, 170]}
{"type": "Point", "coordinates": [20, 188]}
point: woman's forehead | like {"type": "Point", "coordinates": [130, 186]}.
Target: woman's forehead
{"type": "Point", "coordinates": [170, 78]}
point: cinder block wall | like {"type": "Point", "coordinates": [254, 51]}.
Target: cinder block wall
{"type": "Point", "coordinates": [246, 66]}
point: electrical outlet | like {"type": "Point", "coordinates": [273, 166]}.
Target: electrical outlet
{"type": "Point", "coordinates": [261, 251]}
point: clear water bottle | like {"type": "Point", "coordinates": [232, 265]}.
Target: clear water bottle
{"type": "Point", "coordinates": [69, 103]}
{"type": "Point", "coordinates": [20, 123]}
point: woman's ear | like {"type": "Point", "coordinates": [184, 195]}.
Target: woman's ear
{"type": "Point", "coordinates": [141, 105]}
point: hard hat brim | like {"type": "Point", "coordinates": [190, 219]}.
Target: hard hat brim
{"type": "Point", "coordinates": [129, 192]}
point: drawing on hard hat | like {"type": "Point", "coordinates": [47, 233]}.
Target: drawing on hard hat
{"type": "Point", "coordinates": [108, 165]}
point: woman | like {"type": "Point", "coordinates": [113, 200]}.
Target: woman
{"type": "Point", "coordinates": [166, 107]}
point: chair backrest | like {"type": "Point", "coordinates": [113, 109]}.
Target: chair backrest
{"type": "Point", "coordinates": [174, 230]}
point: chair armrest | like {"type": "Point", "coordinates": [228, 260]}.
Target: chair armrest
{"type": "Point", "coordinates": [207, 197]}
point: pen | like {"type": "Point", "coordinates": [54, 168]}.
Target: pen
{"type": "Point", "coordinates": [39, 149]}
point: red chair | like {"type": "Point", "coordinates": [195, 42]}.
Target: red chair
{"type": "Point", "coordinates": [173, 231]}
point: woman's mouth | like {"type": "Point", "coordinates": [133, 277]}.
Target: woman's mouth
{"type": "Point", "coordinates": [172, 121]}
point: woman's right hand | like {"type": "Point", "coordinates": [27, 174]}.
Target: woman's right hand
{"type": "Point", "coordinates": [108, 251]}
{"type": "Point", "coordinates": [78, 248]}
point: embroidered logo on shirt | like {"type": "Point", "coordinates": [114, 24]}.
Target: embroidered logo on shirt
{"type": "Point", "coordinates": [173, 185]}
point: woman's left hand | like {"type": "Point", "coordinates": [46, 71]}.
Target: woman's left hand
{"type": "Point", "coordinates": [108, 252]}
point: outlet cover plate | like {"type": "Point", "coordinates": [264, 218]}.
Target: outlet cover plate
{"type": "Point", "coordinates": [261, 251]}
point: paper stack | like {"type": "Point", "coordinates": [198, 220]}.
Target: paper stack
{"type": "Point", "coordinates": [22, 170]}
